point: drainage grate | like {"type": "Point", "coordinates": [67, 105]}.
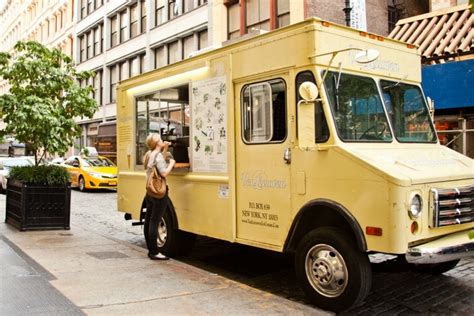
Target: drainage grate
{"type": "Point", "coordinates": [101, 255]}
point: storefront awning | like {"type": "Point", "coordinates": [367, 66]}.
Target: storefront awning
{"type": "Point", "coordinates": [450, 85]}
{"type": "Point", "coordinates": [441, 36]}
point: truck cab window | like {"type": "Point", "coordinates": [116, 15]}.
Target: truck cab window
{"type": "Point", "coordinates": [322, 130]}
{"type": "Point", "coordinates": [264, 112]}
{"type": "Point", "coordinates": [357, 108]}
{"type": "Point", "coordinates": [165, 112]}
{"type": "Point", "coordinates": [408, 113]}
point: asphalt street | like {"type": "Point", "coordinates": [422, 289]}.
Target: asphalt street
{"type": "Point", "coordinates": [395, 289]}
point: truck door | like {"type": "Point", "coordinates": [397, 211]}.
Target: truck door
{"type": "Point", "coordinates": [262, 173]}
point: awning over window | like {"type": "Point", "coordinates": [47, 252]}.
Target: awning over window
{"type": "Point", "coordinates": [440, 35]}
{"type": "Point", "coordinates": [450, 85]}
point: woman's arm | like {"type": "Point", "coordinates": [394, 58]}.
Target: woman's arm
{"type": "Point", "coordinates": [162, 166]}
{"type": "Point", "coordinates": [168, 169]}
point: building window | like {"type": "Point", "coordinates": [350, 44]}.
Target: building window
{"type": "Point", "coordinates": [283, 13]}
{"type": "Point", "coordinates": [90, 45]}
{"type": "Point", "coordinates": [60, 19]}
{"type": "Point", "coordinates": [188, 5]}
{"type": "Point", "coordinates": [134, 66]}
{"type": "Point", "coordinates": [83, 8]}
{"type": "Point", "coordinates": [82, 43]}
{"type": "Point", "coordinates": [97, 40]}
{"type": "Point", "coordinates": [173, 9]}
{"type": "Point", "coordinates": [188, 46]}
{"type": "Point", "coordinates": [392, 17]}
{"type": "Point", "coordinates": [174, 53]}
{"type": "Point", "coordinates": [97, 85]}
{"type": "Point", "coordinates": [159, 11]}
{"type": "Point", "coordinates": [142, 63]}
{"type": "Point", "coordinates": [203, 43]}
{"type": "Point", "coordinates": [143, 16]}
{"type": "Point", "coordinates": [257, 15]}
{"type": "Point", "coordinates": [58, 22]}
{"type": "Point", "coordinates": [124, 70]}
{"type": "Point", "coordinates": [233, 18]}
{"type": "Point", "coordinates": [160, 57]}
{"type": "Point", "coordinates": [113, 82]}
{"type": "Point", "coordinates": [113, 31]}
{"type": "Point", "coordinates": [123, 26]}
{"type": "Point", "coordinates": [134, 20]}
{"type": "Point", "coordinates": [98, 3]}
{"type": "Point", "coordinates": [90, 6]}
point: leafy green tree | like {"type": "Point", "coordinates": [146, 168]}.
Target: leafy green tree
{"type": "Point", "coordinates": [44, 98]}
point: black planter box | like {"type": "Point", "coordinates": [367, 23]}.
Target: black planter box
{"type": "Point", "coordinates": [31, 207]}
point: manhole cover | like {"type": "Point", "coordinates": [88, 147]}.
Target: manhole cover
{"type": "Point", "coordinates": [107, 255]}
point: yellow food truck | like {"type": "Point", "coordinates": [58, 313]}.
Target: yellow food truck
{"type": "Point", "coordinates": [314, 139]}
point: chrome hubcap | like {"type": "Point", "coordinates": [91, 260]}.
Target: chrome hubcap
{"type": "Point", "coordinates": [162, 233]}
{"type": "Point", "coordinates": [326, 270]}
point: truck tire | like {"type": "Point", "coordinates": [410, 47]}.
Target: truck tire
{"type": "Point", "coordinates": [171, 241]}
{"type": "Point", "coordinates": [435, 268]}
{"type": "Point", "coordinates": [332, 271]}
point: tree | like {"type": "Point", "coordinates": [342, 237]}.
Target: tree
{"type": "Point", "coordinates": [44, 98]}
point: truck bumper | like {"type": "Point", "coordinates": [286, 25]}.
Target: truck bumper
{"type": "Point", "coordinates": [451, 247]}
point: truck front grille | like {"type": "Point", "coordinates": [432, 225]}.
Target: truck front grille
{"type": "Point", "coordinates": [452, 206]}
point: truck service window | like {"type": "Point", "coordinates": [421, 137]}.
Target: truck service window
{"type": "Point", "coordinates": [165, 112]}
{"type": "Point", "coordinates": [357, 108]}
{"type": "Point", "coordinates": [264, 112]}
{"type": "Point", "coordinates": [408, 113]}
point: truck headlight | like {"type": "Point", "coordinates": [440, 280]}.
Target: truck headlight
{"type": "Point", "coordinates": [416, 205]}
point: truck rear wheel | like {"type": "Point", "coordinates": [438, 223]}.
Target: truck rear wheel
{"type": "Point", "coordinates": [171, 241]}
{"type": "Point", "coordinates": [334, 274]}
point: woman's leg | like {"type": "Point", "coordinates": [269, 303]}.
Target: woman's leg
{"type": "Point", "coordinates": [158, 209]}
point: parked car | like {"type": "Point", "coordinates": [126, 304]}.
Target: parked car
{"type": "Point", "coordinates": [7, 164]}
{"type": "Point", "coordinates": [91, 172]}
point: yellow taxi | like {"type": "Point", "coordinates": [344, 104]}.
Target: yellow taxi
{"type": "Point", "coordinates": [91, 172]}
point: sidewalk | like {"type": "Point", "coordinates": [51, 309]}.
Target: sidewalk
{"type": "Point", "coordinates": [81, 271]}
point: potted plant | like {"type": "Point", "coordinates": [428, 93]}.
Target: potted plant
{"type": "Point", "coordinates": [40, 109]}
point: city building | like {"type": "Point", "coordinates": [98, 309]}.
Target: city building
{"type": "Point", "coordinates": [122, 38]}
{"type": "Point", "coordinates": [50, 22]}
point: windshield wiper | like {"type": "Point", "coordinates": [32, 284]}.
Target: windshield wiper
{"type": "Point", "coordinates": [395, 84]}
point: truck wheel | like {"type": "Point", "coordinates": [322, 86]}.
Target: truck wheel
{"type": "Point", "coordinates": [435, 268]}
{"type": "Point", "coordinates": [334, 274]}
{"type": "Point", "coordinates": [171, 241]}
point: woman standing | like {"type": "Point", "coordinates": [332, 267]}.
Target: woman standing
{"type": "Point", "coordinates": [155, 208]}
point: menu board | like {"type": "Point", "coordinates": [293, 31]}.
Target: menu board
{"type": "Point", "coordinates": [209, 125]}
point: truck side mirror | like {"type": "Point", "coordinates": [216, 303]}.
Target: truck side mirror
{"type": "Point", "coordinates": [305, 110]}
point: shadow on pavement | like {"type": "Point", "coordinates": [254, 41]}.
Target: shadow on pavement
{"type": "Point", "coordinates": [395, 289]}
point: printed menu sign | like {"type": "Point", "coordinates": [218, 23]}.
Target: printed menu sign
{"type": "Point", "coordinates": [209, 125]}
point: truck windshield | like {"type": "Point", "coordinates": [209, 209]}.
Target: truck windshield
{"type": "Point", "coordinates": [407, 111]}
{"type": "Point", "coordinates": [357, 108]}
